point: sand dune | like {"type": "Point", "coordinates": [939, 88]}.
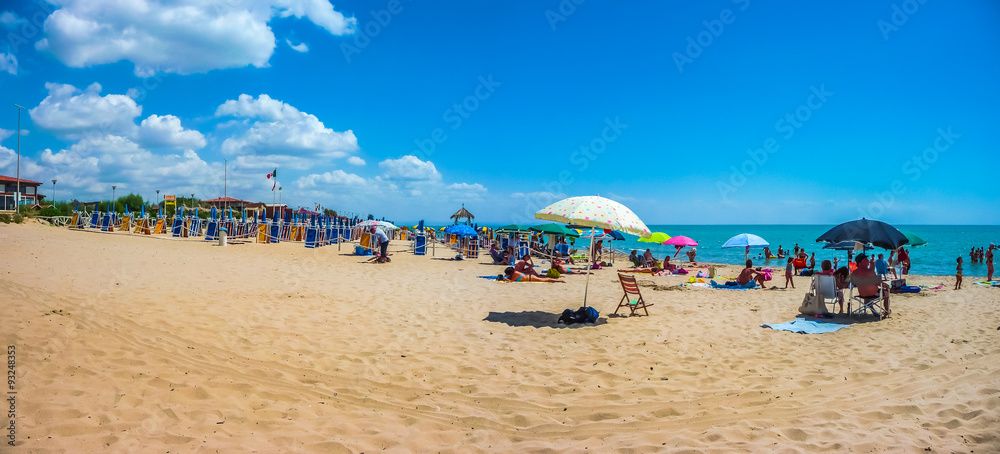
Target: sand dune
{"type": "Point", "coordinates": [133, 344]}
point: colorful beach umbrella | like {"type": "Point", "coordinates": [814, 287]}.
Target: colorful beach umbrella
{"type": "Point", "coordinates": [656, 237]}
{"type": "Point", "coordinates": [594, 212]}
{"type": "Point", "coordinates": [866, 231]}
{"type": "Point", "coordinates": [746, 240]}
{"type": "Point", "coordinates": [461, 230]}
{"type": "Point", "coordinates": [914, 239]}
{"type": "Point", "coordinates": [680, 240]}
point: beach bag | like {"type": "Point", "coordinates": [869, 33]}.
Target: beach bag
{"type": "Point", "coordinates": [682, 271]}
{"type": "Point", "coordinates": [812, 304]}
{"type": "Point", "coordinates": [553, 273]}
{"type": "Point", "coordinates": [581, 315]}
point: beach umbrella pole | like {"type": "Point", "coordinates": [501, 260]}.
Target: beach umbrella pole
{"type": "Point", "coordinates": [590, 259]}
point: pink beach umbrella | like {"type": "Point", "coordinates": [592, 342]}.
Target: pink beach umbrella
{"type": "Point", "coordinates": [679, 242]}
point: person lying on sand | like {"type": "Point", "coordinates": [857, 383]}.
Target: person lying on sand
{"type": "Point", "coordinates": [654, 270]}
{"type": "Point", "coordinates": [514, 276]}
{"type": "Point", "coordinates": [558, 265]}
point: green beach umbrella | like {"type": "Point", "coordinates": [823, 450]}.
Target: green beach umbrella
{"type": "Point", "coordinates": [513, 228]}
{"type": "Point", "coordinates": [914, 239]}
{"type": "Point", "coordinates": [656, 237]}
{"type": "Point", "coordinates": [556, 229]}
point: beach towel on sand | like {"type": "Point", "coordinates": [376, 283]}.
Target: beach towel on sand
{"type": "Point", "coordinates": [747, 286]}
{"type": "Point", "coordinates": [805, 326]}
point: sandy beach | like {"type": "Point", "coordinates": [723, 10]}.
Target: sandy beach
{"type": "Point", "coordinates": [127, 343]}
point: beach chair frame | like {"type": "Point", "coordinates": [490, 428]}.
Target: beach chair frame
{"type": "Point", "coordinates": [632, 299]}
{"type": "Point", "coordinates": [867, 304]}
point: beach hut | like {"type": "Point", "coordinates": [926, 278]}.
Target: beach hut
{"type": "Point", "coordinates": [463, 214]}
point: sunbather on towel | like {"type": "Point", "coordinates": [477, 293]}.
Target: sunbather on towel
{"type": "Point", "coordinates": [654, 270]}
{"type": "Point", "coordinates": [749, 274]}
{"type": "Point", "coordinates": [514, 276]}
{"type": "Point", "coordinates": [559, 266]}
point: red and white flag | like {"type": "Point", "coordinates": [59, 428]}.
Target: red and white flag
{"type": "Point", "coordinates": [273, 175]}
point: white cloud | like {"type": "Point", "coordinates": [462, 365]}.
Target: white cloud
{"type": "Point", "coordinates": [409, 167]}
{"type": "Point", "coordinates": [8, 62]}
{"type": "Point", "coordinates": [5, 133]}
{"type": "Point", "coordinates": [167, 132]}
{"type": "Point", "coordinates": [353, 160]}
{"type": "Point", "coordinates": [465, 188]}
{"type": "Point", "coordinates": [186, 37]}
{"type": "Point", "coordinates": [72, 113]}
{"type": "Point", "coordinates": [278, 129]}
{"type": "Point", "coordinates": [336, 177]}
{"type": "Point", "coordinates": [300, 47]}
{"type": "Point", "coordinates": [11, 20]}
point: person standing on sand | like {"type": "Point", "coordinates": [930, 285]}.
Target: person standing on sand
{"type": "Point", "coordinates": [812, 261]}
{"type": "Point", "coordinates": [789, 272]}
{"type": "Point", "coordinates": [989, 263]}
{"type": "Point", "coordinates": [958, 274]}
{"type": "Point", "coordinates": [383, 244]}
{"type": "Point", "coordinates": [904, 261]}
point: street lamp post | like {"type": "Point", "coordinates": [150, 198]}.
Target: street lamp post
{"type": "Point", "coordinates": [192, 201]}
{"type": "Point", "coordinates": [113, 196]}
{"type": "Point", "coordinates": [53, 193]}
{"type": "Point", "coordinates": [17, 195]}
{"type": "Point", "coordinates": [159, 213]}
{"type": "Point", "coordinates": [279, 195]}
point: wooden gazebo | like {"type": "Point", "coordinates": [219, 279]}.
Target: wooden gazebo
{"type": "Point", "coordinates": [463, 213]}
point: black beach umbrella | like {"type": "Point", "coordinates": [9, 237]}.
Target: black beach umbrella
{"type": "Point", "coordinates": [864, 230]}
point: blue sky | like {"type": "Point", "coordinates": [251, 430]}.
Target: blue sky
{"type": "Point", "coordinates": [715, 112]}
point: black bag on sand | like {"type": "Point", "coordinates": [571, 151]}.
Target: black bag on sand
{"type": "Point", "coordinates": [581, 315]}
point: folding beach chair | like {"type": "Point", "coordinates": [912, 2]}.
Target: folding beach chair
{"type": "Point", "coordinates": [633, 298]}
{"type": "Point", "coordinates": [867, 303]}
{"type": "Point", "coordinates": [824, 287]}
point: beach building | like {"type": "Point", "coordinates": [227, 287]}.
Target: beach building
{"type": "Point", "coordinates": [228, 202]}
{"type": "Point", "coordinates": [29, 193]}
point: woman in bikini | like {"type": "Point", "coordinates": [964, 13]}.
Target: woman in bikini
{"type": "Point", "coordinates": [515, 276]}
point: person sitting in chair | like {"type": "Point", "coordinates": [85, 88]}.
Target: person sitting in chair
{"type": "Point", "coordinates": [648, 259]}
{"type": "Point", "coordinates": [498, 256]}
{"type": "Point", "coordinates": [749, 274]}
{"type": "Point", "coordinates": [868, 283]}
{"type": "Point", "coordinates": [634, 258]}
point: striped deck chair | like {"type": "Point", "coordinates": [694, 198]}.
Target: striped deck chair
{"type": "Point", "coordinates": [633, 298]}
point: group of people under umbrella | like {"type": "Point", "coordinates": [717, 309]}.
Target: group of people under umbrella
{"type": "Point", "coordinates": [601, 214]}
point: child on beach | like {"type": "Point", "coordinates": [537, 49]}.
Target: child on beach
{"type": "Point", "coordinates": [789, 271]}
{"type": "Point", "coordinates": [958, 274]}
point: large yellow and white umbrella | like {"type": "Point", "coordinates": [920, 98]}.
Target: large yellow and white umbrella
{"type": "Point", "coordinates": [595, 212]}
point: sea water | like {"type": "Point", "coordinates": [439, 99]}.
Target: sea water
{"type": "Point", "coordinates": [937, 258]}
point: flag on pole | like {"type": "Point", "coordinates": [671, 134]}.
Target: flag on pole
{"type": "Point", "coordinates": [273, 175]}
